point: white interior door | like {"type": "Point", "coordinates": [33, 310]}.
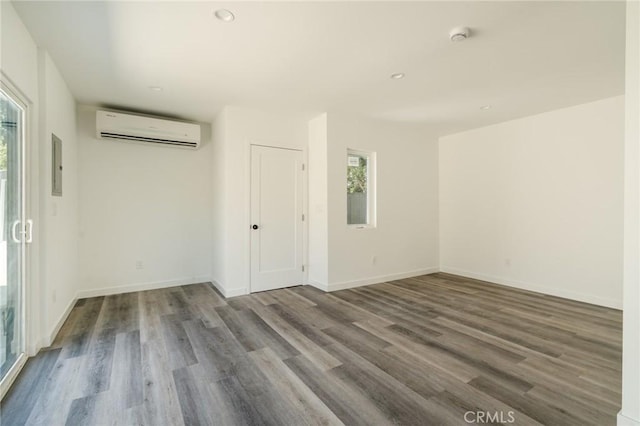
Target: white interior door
{"type": "Point", "coordinates": [276, 218]}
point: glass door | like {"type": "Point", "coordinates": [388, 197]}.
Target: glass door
{"type": "Point", "coordinates": [12, 230]}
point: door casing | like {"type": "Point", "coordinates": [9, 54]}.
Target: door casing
{"type": "Point", "coordinates": [305, 226]}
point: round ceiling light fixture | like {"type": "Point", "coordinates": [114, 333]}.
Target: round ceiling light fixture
{"type": "Point", "coordinates": [155, 88]}
{"type": "Point", "coordinates": [459, 34]}
{"type": "Point", "coordinates": [224, 15]}
{"type": "Point", "coordinates": [485, 107]}
{"type": "Point", "coordinates": [397, 76]}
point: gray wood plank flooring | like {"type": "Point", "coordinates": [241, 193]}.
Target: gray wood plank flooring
{"type": "Point", "coordinates": [419, 351]}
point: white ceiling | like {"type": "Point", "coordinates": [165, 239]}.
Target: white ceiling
{"type": "Point", "coordinates": [523, 57]}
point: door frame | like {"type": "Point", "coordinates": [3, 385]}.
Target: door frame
{"type": "Point", "coordinates": [27, 266]}
{"type": "Point", "coordinates": [305, 207]}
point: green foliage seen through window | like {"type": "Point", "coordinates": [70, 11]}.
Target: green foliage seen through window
{"type": "Point", "coordinates": [357, 177]}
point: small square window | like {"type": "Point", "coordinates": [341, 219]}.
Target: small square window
{"type": "Point", "coordinates": [360, 188]}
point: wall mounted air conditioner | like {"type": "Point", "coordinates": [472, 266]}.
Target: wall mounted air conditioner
{"type": "Point", "coordinates": [135, 128]}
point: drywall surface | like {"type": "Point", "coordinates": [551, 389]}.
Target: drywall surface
{"type": "Point", "coordinates": [404, 241]}
{"type": "Point", "coordinates": [59, 215]}
{"type": "Point", "coordinates": [318, 211]}
{"type": "Point", "coordinates": [219, 197]}
{"type": "Point", "coordinates": [18, 53]}
{"type": "Point", "coordinates": [145, 212]}
{"type": "Point", "coordinates": [243, 128]}
{"type": "Point", "coordinates": [537, 202]}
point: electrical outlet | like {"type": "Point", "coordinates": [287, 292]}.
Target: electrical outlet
{"type": "Point", "coordinates": [374, 260]}
{"type": "Point", "coordinates": [139, 264]}
{"type": "Point", "coordinates": [507, 263]}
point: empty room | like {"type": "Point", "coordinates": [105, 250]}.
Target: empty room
{"type": "Point", "coordinates": [332, 212]}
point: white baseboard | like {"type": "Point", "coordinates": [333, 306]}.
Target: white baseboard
{"type": "Point", "coordinates": [56, 328]}
{"type": "Point", "coordinates": [372, 280]}
{"type": "Point", "coordinates": [580, 297]}
{"type": "Point", "coordinates": [129, 288]}
{"type": "Point", "coordinates": [232, 292]}
{"type": "Point", "coordinates": [626, 421]}
{"type": "Point", "coordinates": [319, 286]}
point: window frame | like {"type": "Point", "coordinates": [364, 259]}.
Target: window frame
{"type": "Point", "coordinates": [371, 189]}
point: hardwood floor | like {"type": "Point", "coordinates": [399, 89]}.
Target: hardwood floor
{"type": "Point", "coordinates": [431, 350]}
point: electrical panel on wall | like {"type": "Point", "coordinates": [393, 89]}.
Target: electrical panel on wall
{"type": "Point", "coordinates": [56, 166]}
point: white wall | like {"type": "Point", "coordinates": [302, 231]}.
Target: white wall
{"type": "Point", "coordinates": [318, 212]}
{"type": "Point", "coordinates": [18, 53]}
{"type": "Point", "coordinates": [219, 197]}
{"type": "Point", "coordinates": [630, 413]}
{"type": "Point", "coordinates": [244, 127]}
{"type": "Point", "coordinates": [59, 215]}
{"type": "Point", "coordinates": [537, 202]}
{"type": "Point", "coordinates": [404, 241]}
{"type": "Point", "coordinates": [51, 108]}
{"type": "Point", "coordinates": [141, 203]}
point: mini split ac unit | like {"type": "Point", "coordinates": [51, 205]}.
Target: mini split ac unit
{"type": "Point", "coordinates": [135, 128]}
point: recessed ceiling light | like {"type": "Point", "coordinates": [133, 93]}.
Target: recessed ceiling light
{"type": "Point", "coordinates": [397, 76]}
{"type": "Point", "coordinates": [155, 88]}
{"type": "Point", "coordinates": [459, 34]}
{"type": "Point", "coordinates": [485, 107]}
{"type": "Point", "coordinates": [224, 15]}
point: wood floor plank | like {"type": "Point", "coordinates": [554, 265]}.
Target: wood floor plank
{"type": "Point", "coordinates": [270, 336]}
{"type": "Point", "coordinates": [352, 408]}
{"type": "Point", "coordinates": [83, 412]}
{"type": "Point", "coordinates": [121, 312]}
{"type": "Point", "coordinates": [232, 404]}
{"type": "Point", "coordinates": [96, 373]}
{"type": "Point", "coordinates": [216, 350]}
{"type": "Point", "coordinates": [244, 333]}
{"type": "Point", "coordinates": [272, 408]}
{"type": "Point", "coordinates": [532, 407]}
{"type": "Point", "coordinates": [57, 393]}
{"type": "Point", "coordinates": [80, 335]}
{"type": "Point", "coordinates": [191, 399]}
{"type": "Point", "coordinates": [126, 374]}
{"type": "Point", "coordinates": [161, 404]}
{"type": "Point", "coordinates": [28, 387]}
{"type": "Point", "coordinates": [289, 386]}
{"type": "Point", "coordinates": [399, 403]}
{"type": "Point", "coordinates": [297, 339]}
{"type": "Point", "coordinates": [177, 342]}
{"type": "Point", "coordinates": [422, 350]}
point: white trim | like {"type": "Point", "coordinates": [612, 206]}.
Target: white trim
{"type": "Point", "coordinates": [626, 421]}
{"type": "Point", "coordinates": [319, 286]}
{"type": "Point", "coordinates": [580, 297]}
{"type": "Point", "coordinates": [305, 225]}
{"type": "Point", "coordinates": [11, 376]}
{"type": "Point", "coordinates": [29, 122]}
{"type": "Point", "coordinates": [129, 288]}
{"type": "Point", "coordinates": [54, 332]}
{"type": "Point", "coordinates": [373, 280]}
{"type": "Point", "coordinates": [233, 292]}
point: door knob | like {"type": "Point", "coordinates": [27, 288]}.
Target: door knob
{"type": "Point", "coordinates": [255, 226]}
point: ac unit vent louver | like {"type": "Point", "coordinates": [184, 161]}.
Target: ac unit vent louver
{"type": "Point", "coordinates": [134, 128]}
